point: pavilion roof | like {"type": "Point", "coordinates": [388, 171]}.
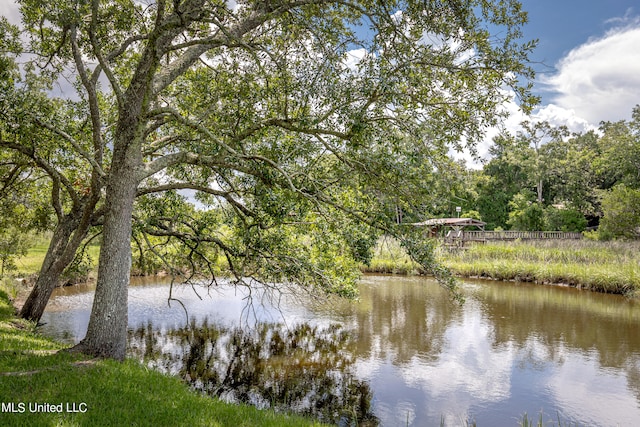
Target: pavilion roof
{"type": "Point", "coordinates": [452, 222]}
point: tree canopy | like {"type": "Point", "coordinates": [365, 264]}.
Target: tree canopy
{"type": "Point", "coordinates": [301, 126]}
{"type": "Point", "coordinates": [575, 179]}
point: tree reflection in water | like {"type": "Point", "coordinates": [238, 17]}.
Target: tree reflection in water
{"type": "Point", "coordinates": [304, 369]}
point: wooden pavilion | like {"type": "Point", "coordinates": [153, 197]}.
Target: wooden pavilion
{"type": "Point", "coordinates": [452, 230]}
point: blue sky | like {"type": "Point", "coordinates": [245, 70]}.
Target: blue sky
{"type": "Point", "coordinates": [588, 54]}
{"type": "Point", "coordinates": [587, 60]}
{"type": "Point", "coordinates": [587, 65]}
{"type": "Point", "coordinates": [562, 25]}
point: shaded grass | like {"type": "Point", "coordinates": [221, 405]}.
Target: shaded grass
{"type": "Point", "coordinates": [33, 371]}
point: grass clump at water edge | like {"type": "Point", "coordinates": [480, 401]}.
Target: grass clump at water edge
{"type": "Point", "coordinates": [41, 385]}
{"type": "Point", "coordinates": [390, 258]}
{"type": "Point", "coordinates": [530, 422]}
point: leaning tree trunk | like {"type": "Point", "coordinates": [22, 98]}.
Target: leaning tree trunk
{"type": "Point", "coordinates": [60, 253]}
{"type": "Point", "coordinates": [107, 331]}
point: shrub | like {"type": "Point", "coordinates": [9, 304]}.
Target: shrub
{"type": "Point", "coordinates": [621, 209]}
{"type": "Point", "coordinates": [525, 215]}
{"type": "Point", "coordinates": [567, 220]}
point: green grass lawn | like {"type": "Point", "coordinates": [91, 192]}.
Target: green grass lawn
{"type": "Point", "coordinates": [102, 392]}
{"type": "Point", "coordinates": [31, 262]}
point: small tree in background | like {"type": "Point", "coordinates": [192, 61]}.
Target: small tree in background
{"type": "Point", "coordinates": [621, 209]}
{"type": "Point", "coordinates": [564, 219]}
{"type": "Point", "coordinates": [526, 214]}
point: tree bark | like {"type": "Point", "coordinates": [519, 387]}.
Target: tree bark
{"type": "Point", "coordinates": [107, 331]}
{"type": "Point", "coordinates": [60, 253]}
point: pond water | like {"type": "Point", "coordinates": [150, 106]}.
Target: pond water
{"type": "Point", "coordinates": [402, 355]}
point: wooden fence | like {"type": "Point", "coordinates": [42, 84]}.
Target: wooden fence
{"type": "Point", "coordinates": [481, 236]}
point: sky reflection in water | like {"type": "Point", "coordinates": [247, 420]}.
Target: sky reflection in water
{"type": "Point", "coordinates": [511, 349]}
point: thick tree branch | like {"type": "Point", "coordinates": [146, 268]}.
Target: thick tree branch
{"type": "Point", "coordinates": [95, 116]}
{"type": "Point", "coordinates": [264, 12]}
{"type": "Point", "coordinates": [227, 195]}
{"type": "Point", "coordinates": [88, 157]}
{"type": "Point", "coordinates": [57, 178]}
{"type": "Point", "coordinates": [164, 162]}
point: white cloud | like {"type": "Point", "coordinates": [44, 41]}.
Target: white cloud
{"type": "Point", "coordinates": [10, 10]}
{"type": "Point", "coordinates": [596, 81]}
{"type": "Point", "coordinates": [554, 114]}
{"type": "Point", "coordinates": [558, 116]}
{"type": "Point", "coordinates": [354, 57]}
{"type": "Point", "coordinates": [511, 123]}
{"type": "Point", "coordinates": [581, 380]}
{"type": "Point", "coordinates": [600, 80]}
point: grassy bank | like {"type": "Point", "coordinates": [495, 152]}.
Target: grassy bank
{"type": "Point", "coordinates": [103, 393]}
{"type": "Point", "coordinates": [612, 267]}
{"type": "Point", "coordinates": [390, 258]}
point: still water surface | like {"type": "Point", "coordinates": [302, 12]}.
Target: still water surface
{"type": "Point", "coordinates": [409, 352]}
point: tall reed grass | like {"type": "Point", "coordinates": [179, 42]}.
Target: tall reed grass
{"type": "Point", "coordinates": [390, 258]}
{"type": "Point", "coordinates": [612, 267]}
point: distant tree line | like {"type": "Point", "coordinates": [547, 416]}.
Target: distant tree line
{"type": "Point", "coordinates": [544, 178]}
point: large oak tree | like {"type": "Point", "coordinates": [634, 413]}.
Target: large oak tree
{"type": "Point", "coordinates": [305, 122]}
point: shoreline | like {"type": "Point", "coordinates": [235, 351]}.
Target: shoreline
{"type": "Point", "coordinates": [42, 384]}
{"type": "Point", "coordinates": [607, 267]}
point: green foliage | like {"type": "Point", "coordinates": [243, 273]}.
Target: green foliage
{"type": "Point", "coordinates": [525, 214]}
{"type": "Point", "coordinates": [13, 244]}
{"type": "Point", "coordinates": [390, 257]}
{"type": "Point", "coordinates": [471, 214]}
{"type": "Point", "coordinates": [10, 287]}
{"type": "Point", "coordinates": [620, 159]}
{"type": "Point", "coordinates": [592, 235]}
{"type": "Point", "coordinates": [621, 209]}
{"type": "Point", "coordinates": [571, 171]}
{"type": "Point", "coordinates": [79, 269]}
{"type": "Point", "coordinates": [422, 251]}
{"type": "Point", "coordinates": [14, 234]}
{"type": "Point", "coordinates": [9, 48]}
{"type": "Point", "coordinates": [504, 176]}
{"type": "Point", "coordinates": [564, 219]}
{"type": "Point", "coordinates": [561, 170]}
